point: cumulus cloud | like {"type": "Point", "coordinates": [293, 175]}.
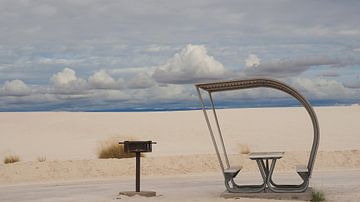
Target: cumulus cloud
{"type": "Point", "coordinates": [169, 93]}
{"type": "Point", "coordinates": [64, 77]}
{"type": "Point", "coordinates": [102, 80]}
{"type": "Point", "coordinates": [192, 64]}
{"type": "Point", "coordinates": [162, 94]}
{"type": "Point", "coordinates": [141, 80]}
{"type": "Point", "coordinates": [15, 88]}
{"type": "Point", "coordinates": [67, 82]}
{"type": "Point", "coordinates": [283, 68]}
{"type": "Point", "coordinates": [252, 61]}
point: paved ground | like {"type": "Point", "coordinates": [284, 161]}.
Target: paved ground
{"type": "Point", "coordinates": [337, 186]}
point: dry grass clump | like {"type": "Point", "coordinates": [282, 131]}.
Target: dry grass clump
{"type": "Point", "coordinates": [244, 149]}
{"type": "Point", "coordinates": [111, 148]}
{"type": "Point", "coordinates": [11, 159]}
{"type": "Point", "coordinates": [318, 196]}
{"type": "Point", "coordinates": [41, 158]}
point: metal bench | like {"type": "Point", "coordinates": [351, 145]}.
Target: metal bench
{"type": "Point", "coordinates": [229, 174]}
{"type": "Point", "coordinates": [302, 169]}
{"type": "Point", "coordinates": [232, 171]}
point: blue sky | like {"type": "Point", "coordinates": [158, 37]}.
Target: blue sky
{"type": "Point", "coordinates": [87, 55]}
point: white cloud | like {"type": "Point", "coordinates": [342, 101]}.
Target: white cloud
{"type": "Point", "coordinates": [159, 94]}
{"type": "Point", "coordinates": [15, 88]}
{"type": "Point", "coordinates": [191, 65]}
{"type": "Point", "coordinates": [252, 61]}
{"type": "Point", "coordinates": [141, 80]}
{"type": "Point", "coordinates": [64, 77]}
{"type": "Point", "coordinates": [66, 82]}
{"type": "Point", "coordinates": [168, 93]}
{"type": "Point", "coordinates": [102, 80]}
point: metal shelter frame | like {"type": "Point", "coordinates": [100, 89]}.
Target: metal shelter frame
{"type": "Point", "coordinates": [231, 172]}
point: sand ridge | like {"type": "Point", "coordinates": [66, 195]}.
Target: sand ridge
{"type": "Point", "coordinates": [62, 170]}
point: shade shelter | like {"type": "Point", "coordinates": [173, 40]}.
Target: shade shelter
{"type": "Point", "coordinates": [230, 172]}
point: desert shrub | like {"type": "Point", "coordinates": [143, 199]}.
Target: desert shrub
{"type": "Point", "coordinates": [11, 159]}
{"type": "Point", "coordinates": [318, 196]}
{"type": "Point", "coordinates": [41, 158]}
{"type": "Point", "coordinates": [244, 149]}
{"type": "Point", "coordinates": [112, 149]}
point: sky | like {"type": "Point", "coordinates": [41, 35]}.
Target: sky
{"type": "Point", "coordinates": [109, 55]}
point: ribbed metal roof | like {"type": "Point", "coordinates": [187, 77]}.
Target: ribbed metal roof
{"type": "Point", "coordinates": [235, 84]}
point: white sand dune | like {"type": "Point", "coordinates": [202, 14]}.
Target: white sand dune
{"type": "Point", "coordinates": [69, 141]}
{"type": "Point", "coordinates": [70, 135]}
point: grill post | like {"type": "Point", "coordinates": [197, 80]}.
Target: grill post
{"type": "Point", "coordinates": [137, 147]}
{"type": "Point", "coordinates": [137, 186]}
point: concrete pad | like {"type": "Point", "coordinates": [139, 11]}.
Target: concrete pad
{"type": "Point", "coordinates": [141, 193]}
{"type": "Point", "coordinates": [268, 194]}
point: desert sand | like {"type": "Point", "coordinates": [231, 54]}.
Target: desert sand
{"type": "Point", "coordinates": [70, 141]}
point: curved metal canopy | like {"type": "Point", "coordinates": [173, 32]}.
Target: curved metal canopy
{"type": "Point", "coordinates": [257, 83]}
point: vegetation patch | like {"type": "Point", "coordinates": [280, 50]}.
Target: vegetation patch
{"type": "Point", "coordinates": [244, 149]}
{"type": "Point", "coordinates": [318, 196]}
{"type": "Point", "coordinates": [11, 159]}
{"type": "Point", "coordinates": [111, 148]}
{"type": "Point", "coordinates": [41, 158]}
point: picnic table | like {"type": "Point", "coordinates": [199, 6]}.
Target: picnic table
{"type": "Point", "coordinates": [262, 159]}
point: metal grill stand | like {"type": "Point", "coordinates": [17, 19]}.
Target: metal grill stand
{"type": "Point", "coordinates": [137, 147]}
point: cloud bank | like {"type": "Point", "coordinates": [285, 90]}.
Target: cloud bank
{"type": "Point", "coordinates": [170, 83]}
{"type": "Point", "coordinates": [283, 68]}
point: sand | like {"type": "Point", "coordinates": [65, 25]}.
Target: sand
{"type": "Point", "coordinates": [67, 170]}
{"type": "Point", "coordinates": [169, 188]}
{"type": "Point", "coordinates": [70, 140]}
{"type": "Point", "coordinates": [69, 135]}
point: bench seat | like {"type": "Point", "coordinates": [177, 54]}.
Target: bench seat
{"type": "Point", "coordinates": [302, 169]}
{"type": "Point", "coordinates": [232, 171]}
